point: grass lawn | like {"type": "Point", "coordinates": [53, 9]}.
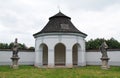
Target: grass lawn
{"type": "Point", "coordinates": [80, 72]}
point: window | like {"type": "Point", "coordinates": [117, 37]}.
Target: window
{"type": "Point", "coordinates": [64, 26]}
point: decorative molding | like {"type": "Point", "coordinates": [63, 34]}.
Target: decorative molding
{"type": "Point", "coordinates": [48, 34]}
{"type": "Point", "coordinates": [37, 50]}
{"type": "Point", "coordinates": [68, 50]}
{"type": "Point", "coordinates": [59, 38]}
{"type": "Point", "coordinates": [50, 50]}
{"type": "Point", "coordinates": [77, 39]}
{"type": "Point", "coordinates": [42, 39]}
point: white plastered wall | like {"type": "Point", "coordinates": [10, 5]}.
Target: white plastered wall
{"type": "Point", "coordinates": [68, 41]}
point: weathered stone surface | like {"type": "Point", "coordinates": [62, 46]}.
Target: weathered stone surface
{"type": "Point", "coordinates": [104, 58]}
{"type": "Point", "coordinates": [15, 57]}
{"type": "Point", "coordinates": [105, 63]}
{"type": "Point", "coordinates": [15, 62]}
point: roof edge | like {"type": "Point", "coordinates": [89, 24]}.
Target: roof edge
{"type": "Point", "coordinates": [59, 33]}
{"type": "Point", "coordinates": [59, 14]}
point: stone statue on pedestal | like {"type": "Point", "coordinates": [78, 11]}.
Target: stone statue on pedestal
{"type": "Point", "coordinates": [15, 48]}
{"type": "Point", "coordinates": [103, 49]}
{"type": "Point", "coordinates": [15, 57]}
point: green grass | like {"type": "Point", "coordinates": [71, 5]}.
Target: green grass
{"type": "Point", "coordinates": [80, 72]}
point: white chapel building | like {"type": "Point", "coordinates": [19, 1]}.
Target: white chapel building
{"type": "Point", "coordinates": [60, 43]}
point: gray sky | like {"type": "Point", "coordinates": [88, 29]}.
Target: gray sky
{"type": "Point", "coordinates": [22, 18]}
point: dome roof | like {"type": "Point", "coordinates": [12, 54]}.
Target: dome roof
{"type": "Point", "coordinates": [60, 14]}
{"type": "Point", "coordinates": [60, 23]}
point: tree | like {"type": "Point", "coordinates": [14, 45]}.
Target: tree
{"type": "Point", "coordinates": [1, 46]}
{"type": "Point", "coordinates": [11, 45]}
{"type": "Point", "coordinates": [31, 48]}
{"type": "Point", "coordinates": [22, 46]}
{"type": "Point", "coordinates": [4, 46]}
{"type": "Point", "coordinates": [113, 44]}
{"type": "Point", "coordinates": [95, 44]}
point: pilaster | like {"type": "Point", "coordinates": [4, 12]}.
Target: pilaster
{"type": "Point", "coordinates": [38, 58]}
{"type": "Point", "coordinates": [51, 60]}
{"type": "Point", "coordinates": [81, 58]}
{"type": "Point", "coordinates": [69, 62]}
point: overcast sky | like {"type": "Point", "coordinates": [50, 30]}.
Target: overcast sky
{"type": "Point", "coordinates": [22, 18]}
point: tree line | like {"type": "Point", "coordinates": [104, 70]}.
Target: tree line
{"type": "Point", "coordinates": [94, 44]}
{"type": "Point", "coordinates": [6, 46]}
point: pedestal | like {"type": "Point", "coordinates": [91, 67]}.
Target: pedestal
{"type": "Point", "coordinates": [105, 63]}
{"type": "Point", "coordinates": [15, 62]}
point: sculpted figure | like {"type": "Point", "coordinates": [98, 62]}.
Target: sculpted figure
{"type": "Point", "coordinates": [103, 49]}
{"type": "Point", "coordinates": [15, 48]}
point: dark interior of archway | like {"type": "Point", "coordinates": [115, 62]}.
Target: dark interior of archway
{"type": "Point", "coordinates": [45, 55]}
{"type": "Point", "coordinates": [59, 54]}
{"type": "Point", "coordinates": [75, 54]}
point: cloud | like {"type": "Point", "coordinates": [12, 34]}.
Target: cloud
{"type": "Point", "coordinates": [23, 18]}
{"type": "Point", "coordinates": [89, 4]}
{"type": "Point", "coordinates": [100, 24]}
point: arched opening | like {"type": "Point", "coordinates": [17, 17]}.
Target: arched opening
{"type": "Point", "coordinates": [75, 49]}
{"type": "Point", "coordinates": [60, 54]}
{"type": "Point", "coordinates": [44, 50]}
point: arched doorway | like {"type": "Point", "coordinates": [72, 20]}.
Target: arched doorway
{"type": "Point", "coordinates": [44, 49]}
{"type": "Point", "coordinates": [60, 54]}
{"type": "Point", "coordinates": [76, 48]}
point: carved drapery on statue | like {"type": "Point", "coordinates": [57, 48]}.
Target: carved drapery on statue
{"type": "Point", "coordinates": [103, 49]}
{"type": "Point", "coordinates": [15, 48]}
{"type": "Point", "coordinates": [15, 57]}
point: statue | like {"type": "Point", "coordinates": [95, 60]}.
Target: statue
{"type": "Point", "coordinates": [15, 48]}
{"type": "Point", "coordinates": [15, 57]}
{"type": "Point", "coordinates": [103, 49]}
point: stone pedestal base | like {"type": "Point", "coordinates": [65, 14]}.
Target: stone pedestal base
{"type": "Point", "coordinates": [105, 63]}
{"type": "Point", "coordinates": [15, 62]}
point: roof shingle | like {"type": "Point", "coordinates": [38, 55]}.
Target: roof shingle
{"type": "Point", "coordinates": [60, 23]}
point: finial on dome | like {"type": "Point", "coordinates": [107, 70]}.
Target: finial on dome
{"type": "Point", "coordinates": [58, 5]}
{"type": "Point", "coordinates": [59, 8]}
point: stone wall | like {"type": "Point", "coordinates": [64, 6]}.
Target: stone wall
{"type": "Point", "coordinates": [28, 58]}
{"type": "Point", "coordinates": [93, 58]}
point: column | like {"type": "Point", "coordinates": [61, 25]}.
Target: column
{"type": "Point", "coordinates": [82, 54]}
{"type": "Point", "coordinates": [38, 58]}
{"type": "Point", "coordinates": [81, 58]}
{"type": "Point", "coordinates": [51, 63]}
{"type": "Point", "coordinates": [69, 62]}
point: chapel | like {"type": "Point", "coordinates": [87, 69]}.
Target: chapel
{"type": "Point", "coordinates": [60, 43]}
